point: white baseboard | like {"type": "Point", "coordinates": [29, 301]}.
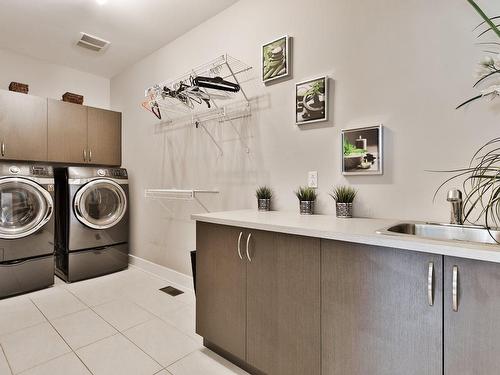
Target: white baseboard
{"type": "Point", "coordinates": [163, 272]}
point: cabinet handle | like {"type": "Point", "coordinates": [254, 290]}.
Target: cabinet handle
{"type": "Point", "coordinates": [454, 287]}
{"type": "Point", "coordinates": [239, 245]}
{"type": "Point", "coordinates": [430, 284]}
{"type": "Point", "coordinates": [90, 154]}
{"type": "Point", "coordinates": [3, 149]}
{"type": "Point", "coordinates": [248, 252]}
{"type": "Point", "coordinates": [84, 155]}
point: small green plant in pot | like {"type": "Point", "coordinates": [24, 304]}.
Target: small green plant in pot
{"type": "Point", "coordinates": [264, 195]}
{"type": "Point", "coordinates": [306, 196]}
{"type": "Point", "coordinates": [344, 198]}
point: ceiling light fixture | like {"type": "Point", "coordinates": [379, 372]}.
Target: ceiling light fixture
{"type": "Point", "coordinates": [101, 2]}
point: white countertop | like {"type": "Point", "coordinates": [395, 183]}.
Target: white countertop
{"type": "Point", "coordinates": [359, 230]}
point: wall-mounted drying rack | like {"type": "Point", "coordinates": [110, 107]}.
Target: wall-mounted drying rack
{"type": "Point", "coordinates": [178, 194]}
{"type": "Point", "coordinates": [210, 92]}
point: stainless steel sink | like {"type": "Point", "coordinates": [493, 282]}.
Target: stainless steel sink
{"type": "Point", "coordinates": [445, 232]}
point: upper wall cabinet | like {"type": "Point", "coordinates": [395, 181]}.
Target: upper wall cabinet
{"type": "Point", "coordinates": [23, 127]}
{"type": "Point", "coordinates": [104, 136]}
{"type": "Point", "coordinates": [67, 139]}
{"type": "Point", "coordinates": [38, 129]}
{"type": "Point", "coordinates": [80, 134]}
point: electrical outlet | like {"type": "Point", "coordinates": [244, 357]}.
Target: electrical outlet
{"type": "Point", "coordinates": [312, 179]}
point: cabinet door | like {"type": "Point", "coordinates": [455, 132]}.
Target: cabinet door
{"type": "Point", "coordinates": [472, 333]}
{"type": "Point", "coordinates": [376, 317]}
{"type": "Point", "coordinates": [220, 288]}
{"type": "Point", "coordinates": [23, 126]}
{"type": "Point", "coordinates": [283, 304]}
{"type": "Point", "coordinates": [67, 132]}
{"type": "Point", "coordinates": [105, 142]}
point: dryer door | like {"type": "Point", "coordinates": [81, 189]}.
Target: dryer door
{"type": "Point", "coordinates": [25, 207]}
{"type": "Point", "coordinates": [100, 204]}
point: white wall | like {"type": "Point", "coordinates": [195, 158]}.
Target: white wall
{"type": "Point", "coordinates": [52, 81]}
{"type": "Point", "coordinates": [406, 64]}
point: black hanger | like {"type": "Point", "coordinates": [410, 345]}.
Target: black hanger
{"type": "Point", "coordinates": [200, 95]}
{"type": "Point", "coordinates": [156, 110]}
{"type": "Point", "coordinates": [176, 94]}
{"type": "Point", "coordinates": [216, 83]}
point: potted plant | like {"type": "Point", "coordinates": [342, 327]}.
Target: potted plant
{"type": "Point", "coordinates": [264, 195]}
{"type": "Point", "coordinates": [344, 198]}
{"type": "Point", "coordinates": [306, 196]}
{"type": "Point", "coordinates": [481, 176]}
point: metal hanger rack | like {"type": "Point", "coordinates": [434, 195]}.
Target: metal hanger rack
{"type": "Point", "coordinates": [224, 106]}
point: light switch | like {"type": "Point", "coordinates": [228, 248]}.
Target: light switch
{"type": "Point", "coordinates": [312, 180]}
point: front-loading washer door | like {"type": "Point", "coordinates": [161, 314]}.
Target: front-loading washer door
{"type": "Point", "coordinates": [100, 204]}
{"type": "Point", "coordinates": [25, 207]}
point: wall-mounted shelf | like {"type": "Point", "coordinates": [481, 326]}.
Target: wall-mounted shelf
{"type": "Point", "coordinates": [224, 106]}
{"type": "Point", "coordinates": [178, 194]}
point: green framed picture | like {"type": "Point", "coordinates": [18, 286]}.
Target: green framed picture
{"type": "Point", "coordinates": [362, 151]}
{"type": "Point", "coordinates": [276, 59]}
{"type": "Point", "coordinates": [311, 101]}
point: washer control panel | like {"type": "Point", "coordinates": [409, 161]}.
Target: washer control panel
{"type": "Point", "coordinates": [112, 172]}
{"type": "Point", "coordinates": [41, 171]}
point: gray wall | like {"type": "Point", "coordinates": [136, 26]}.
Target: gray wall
{"type": "Point", "coordinates": [405, 64]}
{"type": "Point", "coordinates": [51, 80]}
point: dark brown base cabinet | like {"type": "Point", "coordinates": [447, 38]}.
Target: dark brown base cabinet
{"type": "Point", "coordinates": [376, 315]}
{"type": "Point", "coordinates": [281, 304]}
{"type": "Point", "coordinates": [261, 302]}
{"type": "Point", "coordinates": [220, 289]}
{"type": "Point", "coordinates": [472, 326]}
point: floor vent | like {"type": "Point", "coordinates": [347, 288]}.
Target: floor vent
{"type": "Point", "coordinates": [172, 291]}
{"type": "Point", "coordinates": [92, 42]}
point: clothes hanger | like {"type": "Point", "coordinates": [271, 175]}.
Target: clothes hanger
{"type": "Point", "coordinates": [179, 95]}
{"type": "Point", "coordinates": [152, 105]}
{"type": "Point", "coordinates": [155, 108]}
{"type": "Point", "coordinates": [216, 83]}
{"type": "Point", "coordinates": [199, 95]}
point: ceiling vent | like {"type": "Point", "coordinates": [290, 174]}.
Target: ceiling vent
{"type": "Point", "coordinates": [92, 42]}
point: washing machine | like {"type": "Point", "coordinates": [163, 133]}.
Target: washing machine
{"type": "Point", "coordinates": [92, 222]}
{"type": "Point", "coordinates": [26, 228]}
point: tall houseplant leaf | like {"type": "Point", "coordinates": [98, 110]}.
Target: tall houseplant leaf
{"type": "Point", "coordinates": [485, 17]}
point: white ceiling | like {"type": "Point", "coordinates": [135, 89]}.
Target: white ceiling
{"type": "Point", "coordinates": [49, 29]}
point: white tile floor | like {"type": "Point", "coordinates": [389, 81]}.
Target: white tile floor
{"type": "Point", "coordinates": [116, 324]}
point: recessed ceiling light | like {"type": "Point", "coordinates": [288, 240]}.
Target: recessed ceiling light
{"type": "Point", "coordinates": [101, 2]}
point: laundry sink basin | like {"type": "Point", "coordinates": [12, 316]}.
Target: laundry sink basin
{"type": "Point", "coordinates": [445, 232]}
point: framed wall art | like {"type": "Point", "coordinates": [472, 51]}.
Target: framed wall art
{"type": "Point", "coordinates": [311, 101]}
{"type": "Point", "coordinates": [276, 59]}
{"type": "Point", "coordinates": [362, 151]}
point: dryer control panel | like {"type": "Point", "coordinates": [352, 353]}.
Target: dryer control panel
{"type": "Point", "coordinates": [92, 172]}
{"type": "Point", "coordinates": [119, 173]}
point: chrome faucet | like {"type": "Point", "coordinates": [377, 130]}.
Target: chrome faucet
{"type": "Point", "coordinates": [457, 206]}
